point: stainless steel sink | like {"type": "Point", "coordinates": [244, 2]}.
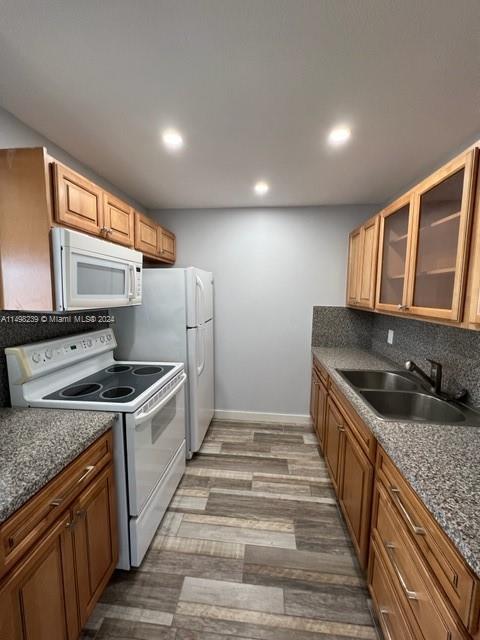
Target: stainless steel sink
{"type": "Point", "coordinates": [412, 406]}
{"type": "Point", "coordinates": [398, 395]}
{"type": "Point", "coordinates": [389, 380]}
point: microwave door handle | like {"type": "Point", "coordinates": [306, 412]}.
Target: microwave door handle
{"type": "Point", "coordinates": [131, 281]}
{"type": "Point", "coordinates": [143, 417]}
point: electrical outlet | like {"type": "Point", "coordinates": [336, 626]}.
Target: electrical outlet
{"type": "Point", "coordinates": [390, 336]}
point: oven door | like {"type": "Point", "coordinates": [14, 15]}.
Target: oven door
{"type": "Point", "coordinates": [154, 435]}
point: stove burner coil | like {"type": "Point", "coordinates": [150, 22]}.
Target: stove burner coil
{"type": "Point", "coordinates": [147, 370]}
{"type": "Point", "coordinates": [115, 393]}
{"type": "Point", "coordinates": [118, 368]}
{"type": "Point", "coordinates": [80, 390]}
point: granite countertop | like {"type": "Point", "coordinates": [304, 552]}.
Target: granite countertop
{"type": "Point", "coordinates": [439, 461]}
{"type": "Point", "coordinates": [36, 444]}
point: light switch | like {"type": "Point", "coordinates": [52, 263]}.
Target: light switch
{"type": "Point", "coordinates": [390, 336]}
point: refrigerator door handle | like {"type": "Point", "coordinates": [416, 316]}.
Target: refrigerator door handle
{"type": "Point", "coordinates": [201, 367]}
{"type": "Point", "coordinates": [199, 284]}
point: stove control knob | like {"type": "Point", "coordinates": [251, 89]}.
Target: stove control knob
{"type": "Point", "coordinates": [109, 337]}
{"type": "Point", "coordinates": [48, 354]}
{"type": "Point", "coordinates": [102, 339]}
{"type": "Point", "coordinates": [36, 357]}
{"type": "Point", "coordinates": [89, 342]}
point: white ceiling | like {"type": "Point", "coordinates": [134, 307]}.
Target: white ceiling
{"type": "Point", "coordinates": [254, 85]}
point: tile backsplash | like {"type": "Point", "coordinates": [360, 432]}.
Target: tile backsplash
{"type": "Point", "coordinates": [458, 350]}
{"type": "Point", "coordinates": [15, 330]}
{"type": "Point", "coordinates": [341, 327]}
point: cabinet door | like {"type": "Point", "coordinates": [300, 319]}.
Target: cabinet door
{"type": "Point", "coordinates": [368, 264]}
{"type": "Point", "coordinates": [440, 237]}
{"type": "Point", "coordinates": [334, 430]}
{"type": "Point", "coordinates": [353, 266]}
{"type": "Point", "coordinates": [95, 541]}
{"type": "Point", "coordinates": [394, 252]}
{"type": "Point", "coordinates": [146, 235]}
{"type": "Point", "coordinates": [117, 220]}
{"type": "Point", "coordinates": [356, 495]}
{"type": "Point", "coordinates": [322, 395]}
{"type": "Point", "coordinates": [167, 248]}
{"type": "Point", "coordinates": [38, 600]}
{"type": "Point", "coordinates": [78, 202]}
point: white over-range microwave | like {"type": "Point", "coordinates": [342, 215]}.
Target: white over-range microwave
{"type": "Point", "coordinates": [90, 273]}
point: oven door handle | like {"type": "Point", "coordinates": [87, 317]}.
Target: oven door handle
{"type": "Point", "coordinates": [146, 415]}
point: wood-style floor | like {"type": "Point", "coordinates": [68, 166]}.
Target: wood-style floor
{"type": "Point", "coordinates": [252, 546]}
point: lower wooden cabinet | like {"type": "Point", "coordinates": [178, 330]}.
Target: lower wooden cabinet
{"type": "Point", "coordinates": [38, 599]}
{"type": "Point", "coordinates": [49, 593]}
{"type": "Point", "coordinates": [318, 406]}
{"type": "Point", "coordinates": [334, 430]}
{"type": "Point", "coordinates": [390, 614]}
{"type": "Point", "coordinates": [94, 541]}
{"type": "Point", "coordinates": [421, 587]}
{"type": "Point", "coordinates": [356, 494]}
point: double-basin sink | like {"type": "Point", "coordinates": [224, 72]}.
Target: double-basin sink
{"type": "Point", "coordinates": [397, 395]}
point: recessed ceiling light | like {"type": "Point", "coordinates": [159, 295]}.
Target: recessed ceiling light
{"type": "Point", "coordinates": [261, 188]}
{"type": "Point", "coordinates": [339, 135]}
{"type": "Point", "coordinates": [172, 139]}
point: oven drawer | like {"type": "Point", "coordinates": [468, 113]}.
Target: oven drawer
{"type": "Point", "coordinates": [153, 438]}
{"type": "Point", "coordinates": [143, 528]}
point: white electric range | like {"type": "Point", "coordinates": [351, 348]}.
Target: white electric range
{"type": "Point", "coordinates": [80, 372]}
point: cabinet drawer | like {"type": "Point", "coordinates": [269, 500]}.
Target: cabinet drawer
{"type": "Point", "coordinates": [388, 608]}
{"type": "Point", "coordinates": [365, 437]}
{"type": "Point", "coordinates": [449, 569]}
{"type": "Point", "coordinates": [24, 528]}
{"type": "Point", "coordinates": [423, 601]}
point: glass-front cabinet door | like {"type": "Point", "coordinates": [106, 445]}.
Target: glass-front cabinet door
{"type": "Point", "coordinates": [440, 234]}
{"type": "Point", "coordinates": [393, 257]}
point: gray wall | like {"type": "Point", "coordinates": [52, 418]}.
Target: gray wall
{"type": "Point", "coordinates": [14, 133]}
{"type": "Point", "coordinates": [271, 266]}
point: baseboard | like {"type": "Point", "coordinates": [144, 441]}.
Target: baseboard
{"type": "Point", "coordinates": [251, 416]}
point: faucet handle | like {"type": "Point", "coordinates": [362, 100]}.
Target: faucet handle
{"type": "Point", "coordinates": [436, 374]}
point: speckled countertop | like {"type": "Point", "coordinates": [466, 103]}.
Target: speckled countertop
{"type": "Point", "coordinates": [441, 462]}
{"type": "Point", "coordinates": [36, 444]}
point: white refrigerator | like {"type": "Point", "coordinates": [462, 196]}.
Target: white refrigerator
{"type": "Point", "coordinates": [175, 323]}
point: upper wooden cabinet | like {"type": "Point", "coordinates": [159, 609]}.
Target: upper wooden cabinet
{"type": "Point", "coordinates": [153, 240]}
{"type": "Point", "coordinates": [424, 244]}
{"type": "Point", "coordinates": [147, 234]}
{"type": "Point", "coordinates": [393, 255]}
{"type": "Point", "coordinates": [353, 264]}
{"type": "Point", "coordinates": [167, 245]}
{"type": "Point", "coordinates": [78, 201]}
{"type": "Point", "coordinates": [37, 193]}
{"type": "Point", "coordinates": [118, 220]}
{"type": "Point", "coordinates": [362, 260]}
{"type": "Point", "coordinates": [440, 240]}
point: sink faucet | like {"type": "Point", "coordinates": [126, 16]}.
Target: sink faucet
{"type": "Point", "coordinates": [434, 380]}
